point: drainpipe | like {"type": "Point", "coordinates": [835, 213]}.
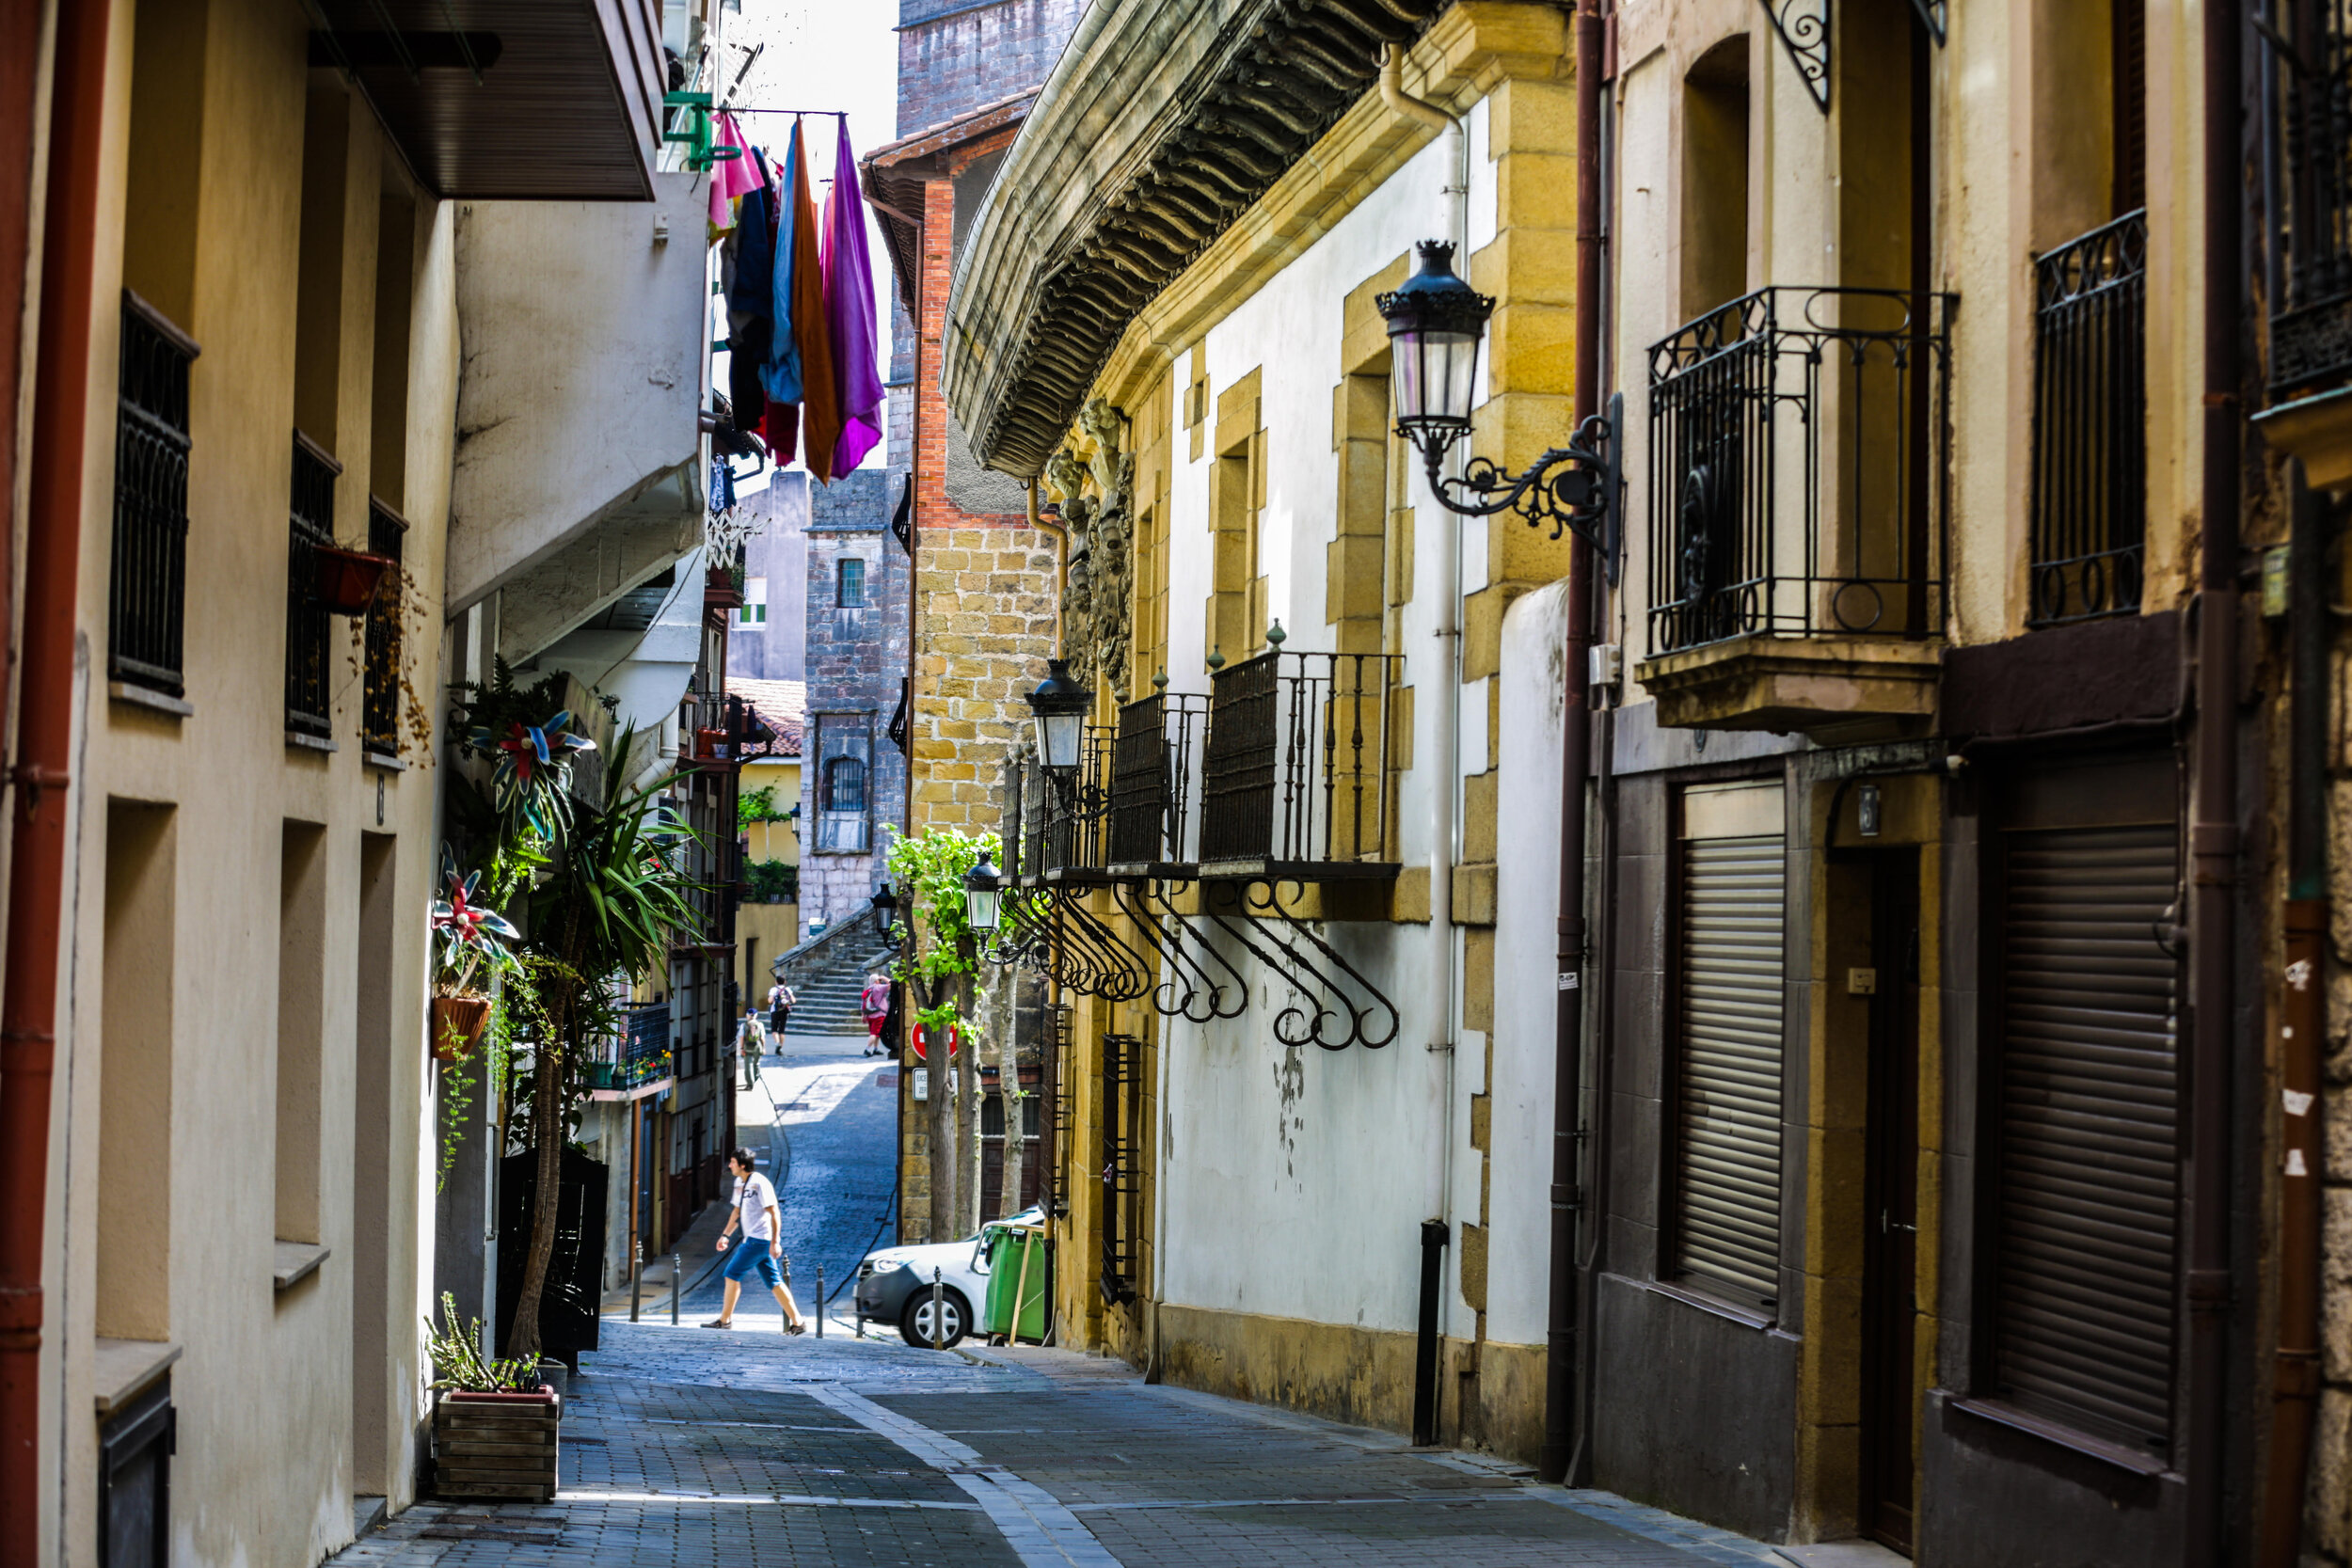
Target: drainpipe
{"type": "Point", "coordinates": [29, 1006]}
{"type": "Point", "coordinates": [1576, 746]}
{"type": "Point", "coordinates": [1445, 695]}
{"type": "Point", "coordinates": [2214, 806]}
{"type": "Point", "coordinates": [2302, 1017]}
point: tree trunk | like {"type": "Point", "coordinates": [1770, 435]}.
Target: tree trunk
{"type": "Point", "coordinates": [968, 1121]}
{"type": "Point", "coordinates": [1009, 1090]}
{"type": "Point", "coordinates": [939, 1130]}
{"type": "Point", "coordinates": [547, 1133]}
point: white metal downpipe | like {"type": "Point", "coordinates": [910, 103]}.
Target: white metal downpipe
{"type": "Point", "coordinates": [1444, 694]}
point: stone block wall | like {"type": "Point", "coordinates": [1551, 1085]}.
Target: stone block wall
{"type": "Point", "coordinates": [856, 666]}
{"type": "Point", "coordinates": [955, 57]}
{"type": "Point", "coordinates": [985, 599]}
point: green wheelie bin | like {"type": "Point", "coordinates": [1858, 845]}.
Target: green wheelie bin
{"type": "Point", "coordinates": [1016, 1279]}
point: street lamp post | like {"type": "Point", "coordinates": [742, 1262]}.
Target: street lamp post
{"type": "Point", "coordinates": [1435, 323]}
{"type": "Point", "coordinates": [1059, 709]}
{"type": "Point", "coordinates": [984, 897]}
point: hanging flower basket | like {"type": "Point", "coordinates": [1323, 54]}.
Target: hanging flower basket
{"type": "Point", "coordinates": [348, 580]}
{"type": "Point", "coordinates": [457, 1025]}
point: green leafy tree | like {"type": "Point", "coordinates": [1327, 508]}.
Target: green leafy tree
{"type": "Point", "coordinates": [939, 963]}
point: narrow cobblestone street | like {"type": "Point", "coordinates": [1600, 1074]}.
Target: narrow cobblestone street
{"type": "Point", "coordinates": [693, 1446]}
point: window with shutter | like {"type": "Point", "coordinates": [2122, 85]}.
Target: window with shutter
{"type": "Point", "coordinates": [1726, 1130]}
{"type": "Point", "coordinates": [2088, 1143]}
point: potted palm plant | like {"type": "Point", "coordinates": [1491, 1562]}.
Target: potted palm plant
{"type": "Point", "coordinates": [468, 947]}
{"type": "Point", "coordinates": [496, 1426]}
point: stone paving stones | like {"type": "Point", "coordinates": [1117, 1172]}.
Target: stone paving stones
{"type": "Point", "coordinates": [686, 1447]}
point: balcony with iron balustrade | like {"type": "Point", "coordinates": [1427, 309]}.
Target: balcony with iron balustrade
{"type": "Point", "coordinates": [2306, 272]}
{"type": "Point", "coordinates": [1796, 553]}
{"type": "Point", "coordinates": [1298, 773]}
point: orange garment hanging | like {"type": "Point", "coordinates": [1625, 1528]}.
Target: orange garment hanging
{"type": "Point", "coordinates": [820, 395]}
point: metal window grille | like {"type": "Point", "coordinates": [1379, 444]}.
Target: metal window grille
{"type": "Point", "coordinates": [2088, 1134]}
{"type": "Point", "coordinates": [2310, 207]}
{"type": "Point", "coordinates": [2090, 424]}
{"type": "Point", "coordinates": [309, 705]}
{"type": "Point", "coordinates": [1298, 763]}
{"type": "Point", "coordinates": [849, 583]}
{"type": "Point", "coordinates": [1060, 1089]}
{"type": "Point", "coordinates": [147, 585]}
{"type": "Point", "coordinates": [380, 705]}
{"type": "Point", "coordinates": [1727, 1136]}
{"type": "Point", "coordinates": [1154, 784]}
{"type": "Point", "coordinates": [845, 785]}
{"type": "Point", "coordinates": [135, 1450]}
{"type": "Point", "coordinates": [1796, 441]}
{"type": "Point", "coordinates": [1117, 1125]}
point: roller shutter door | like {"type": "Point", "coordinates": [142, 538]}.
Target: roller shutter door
{"type": "Point", "coordinates": [2084, 1315]}
{"type": "Point", "coordinates": [1728, 1078]}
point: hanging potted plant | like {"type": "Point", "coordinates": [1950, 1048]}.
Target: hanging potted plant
{"type": "Point", "coordinates": [468, 946]}
{"type": "Point", "coordinates": [348, 580]}
{"type": "Point", "coordinates": [495, 1425]}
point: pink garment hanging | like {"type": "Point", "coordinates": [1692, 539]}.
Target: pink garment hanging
{"type": "Point", "coordinates": [849, 274]}
{"type": "Point", "coordinates": [731, 178]}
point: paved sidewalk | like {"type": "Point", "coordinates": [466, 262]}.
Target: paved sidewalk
{"type": "Point", "coordinates": [693, 1447]}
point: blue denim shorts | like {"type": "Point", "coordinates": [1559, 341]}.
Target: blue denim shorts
{"type": "Point", "coordinates": [747, 1254]}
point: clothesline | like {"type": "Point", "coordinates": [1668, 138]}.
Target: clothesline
{"type": "Point", "coordinates": [743, 109]}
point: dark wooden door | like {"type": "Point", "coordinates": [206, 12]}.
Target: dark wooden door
{"type": "Point", "coordinates": [1890, 1264]}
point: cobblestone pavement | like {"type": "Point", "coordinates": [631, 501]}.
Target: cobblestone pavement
{"type": "Point", "coordinates": [692, 1445]}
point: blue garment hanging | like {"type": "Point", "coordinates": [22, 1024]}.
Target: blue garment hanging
{"type": "Point", "coordinates": [780, 373]}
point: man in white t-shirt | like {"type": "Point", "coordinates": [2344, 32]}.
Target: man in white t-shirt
{"type": "Point", "coordinates": [762, 1251]}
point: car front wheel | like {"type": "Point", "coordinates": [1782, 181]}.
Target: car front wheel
{"type": "Point", "coordinates": [915, 1319]}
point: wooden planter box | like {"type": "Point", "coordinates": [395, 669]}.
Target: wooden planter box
{"type": "Point", "coordinates": [496, 1445]}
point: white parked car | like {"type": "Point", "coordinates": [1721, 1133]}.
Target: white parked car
{"type": "Point", "coordinates": [894, 1286]}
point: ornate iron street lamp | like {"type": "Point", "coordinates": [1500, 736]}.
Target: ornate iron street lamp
{"type": "Point", "coordinates": [1436, 322]}
{"type": "Point", "coordinates": [886, 910]}
{"type": "Point", "coordinates": [1059, 704]}
{"type": "Point", "coordinates": [983, 895]}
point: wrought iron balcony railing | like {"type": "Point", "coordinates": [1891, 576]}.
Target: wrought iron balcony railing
{"type": "Point", "coordinates": [1299, 770]}
{"type": "Point", "coordinates": [146, 591]}
{"type": "Point", "coordinates": [2310, 206]}
{"type": "Point", "coordinates": [309, 706]}
{"type": "Point", "coordinates": [1155, 761]}
{"type": "Point", "coordinates": [2090, 424]}
{"type": "Point", "coordinates": [1063, 831]}
{"type": "Point", "coordinates": [1797, 442]}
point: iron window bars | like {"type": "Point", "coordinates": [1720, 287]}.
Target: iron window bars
{"type": "Point", "coordinates": [2310, 206]}
{"type": "Point", "coordinates": [146, 587]}
{"type": "Point", "coordinates": [1120, 1127]}
{"type": "Point", "coordinates": [2090, 424]}
{"type": "Point", "coordinates": [1796, 436]}
{"type": "Point", "coordinates": [380, 701]}
{"type": "Point", "coordinates": [1298, 770]}
{"type": "Point", "coordinates": [311, 512]}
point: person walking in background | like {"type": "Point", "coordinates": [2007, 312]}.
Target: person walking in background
{"type": "Point", "coordinates": [762, 1251]}
{"type": "Point", "coordinates": [781, 999]}
{"type": "Point", "coordinates": [753, 1040]}
{"type": "Point", "coordinates": [874, 1000]}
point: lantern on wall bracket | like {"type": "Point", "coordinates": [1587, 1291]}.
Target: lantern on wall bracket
{"type": "Point", "coordinates": [983, 895]}
{"type": "Point", "coordinates": [1435, 323]}
{"type": "Point", "coordinates": [1060, 707]}
{"type": "Point", "coordinates": [886, 911]}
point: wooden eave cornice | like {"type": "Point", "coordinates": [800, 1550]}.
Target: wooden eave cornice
{"type": "Point", "coordinates": [894, 173]}
{"type": "Point", "coordinates": [1160, 126]}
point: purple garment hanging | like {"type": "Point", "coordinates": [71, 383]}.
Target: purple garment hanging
{"type": "Point", "coordinates": [849, 312]}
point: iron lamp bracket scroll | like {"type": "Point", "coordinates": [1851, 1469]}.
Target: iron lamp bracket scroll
{"type": "Point", "coordinates": [1577, 489]}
